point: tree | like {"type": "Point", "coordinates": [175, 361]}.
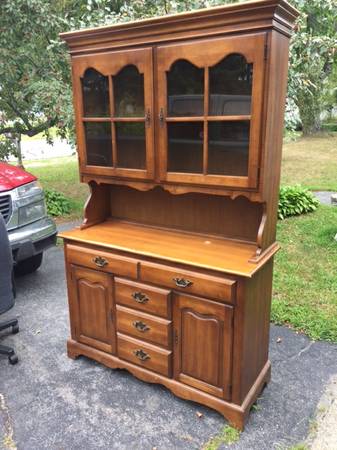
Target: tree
{"type": "Point", "coordinates": [312, 56]}
{"type": "Point", "coordinates": [35, 85]}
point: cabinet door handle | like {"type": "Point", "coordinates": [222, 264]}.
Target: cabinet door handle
{"type": "Point", "coordinates": [140, 326]}
{"type": "Point", "coordinates": [182, 283]}
{"type": "Point", "coordinates": [139, 297]}
{"type": "Point", "coordinates": [161, 117]}
{"type": "Point", "coordinates": [141, 355]}
{"type": "Point", "coordinates": [100, 262]}
{"type": "Point", "coordinates": [148, 118]}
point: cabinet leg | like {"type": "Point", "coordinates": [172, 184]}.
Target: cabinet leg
{"type": "Point", "coordinates": [71, 351]}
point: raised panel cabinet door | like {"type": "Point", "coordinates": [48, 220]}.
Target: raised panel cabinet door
{"type": "Point", "coordinates": [92, 303]}
{"type": "Point", "coordinates": [203, 344]}
{"type": "Point", "coordinates": [113, 98]}
{"type": "Point", "coordinates": [210, 95]}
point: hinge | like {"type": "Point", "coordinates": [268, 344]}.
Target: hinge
{"type": "Point", "coordinates": [175, 337]}
{"type": "Point", "coordinates": [111, 315]}
{"type": "Point", "coordinates": [265, 51]}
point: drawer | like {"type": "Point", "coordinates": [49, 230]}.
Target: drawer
{"type": "Point", "coordinates": [144, 326]}
{"type": "Point", "coordinates": [143, 297]}
{"type": "Point", "coordinates": [143, 354]}
{"type": "Point", "coordinates": [222, 289]}
{"type": "Point", "coordinates": [100, 260]}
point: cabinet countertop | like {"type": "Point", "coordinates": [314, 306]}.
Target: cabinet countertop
{"type": "Point", "coordinates": [205, 252]}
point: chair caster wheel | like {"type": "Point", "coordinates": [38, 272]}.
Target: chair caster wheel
{"type": "Point", "coordinates": [15, 329]}
{"type": "Point", "coordinates": [13, 359]}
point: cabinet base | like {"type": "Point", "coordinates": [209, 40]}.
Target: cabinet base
{"type": "Point", "coordinates": [235, 414]}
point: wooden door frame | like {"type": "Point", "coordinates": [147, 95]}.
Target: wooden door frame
{"type": "Point", "coordinates": [109, 64]}
{"type": "Point", "coordinates": [226, 314]}
{"type": "Point", "coordinates": [252, 46]}
{"type": "Point", "coordinates": [107, 282]}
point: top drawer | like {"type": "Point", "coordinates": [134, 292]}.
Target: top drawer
{"type": "Point", "coordinates": [97, 259]}
{"type": "Point", "coordinates": [222, 289]}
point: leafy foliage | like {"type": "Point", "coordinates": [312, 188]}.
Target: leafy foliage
{"type": "Point", "coordinates": [295, 200]}
{"type": "Point", "coordinates": [7, 148]}
{"type": "Point", "coordinates": [57, 203]}
{"type": "Point", "coordinates": [312, 59]}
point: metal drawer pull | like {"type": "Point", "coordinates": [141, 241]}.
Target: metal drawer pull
{"type": "Point", "coordinates": [182, 283]}
{"type": "Point", "coordinates": [100, 262]}
{"type": "Point", "coordinates": [140, 354]}
{"type": "Point", "coordinates": [140, 326]}
{"type": "Point", "coordinates": [139, 297]}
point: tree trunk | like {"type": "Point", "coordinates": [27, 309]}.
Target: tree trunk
{"type": "Point", "coordinates": [19, 151]}
{"type": "Point", "coordinates": [310, 111]}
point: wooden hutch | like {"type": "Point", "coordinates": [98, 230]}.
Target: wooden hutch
{"type": "Point", "coordinates": [179, 127]}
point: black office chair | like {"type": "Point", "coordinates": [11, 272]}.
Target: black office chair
{"type": "Point", "coordinates": [7, 291]}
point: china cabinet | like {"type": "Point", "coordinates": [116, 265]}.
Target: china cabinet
{"type": "Point", "coordinates": [179, 128]}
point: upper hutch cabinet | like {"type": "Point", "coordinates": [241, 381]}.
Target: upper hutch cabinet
{"type": "Point", "coordinates": [114, 113]}
{"type": "Point", "coordinates": [210, 103]}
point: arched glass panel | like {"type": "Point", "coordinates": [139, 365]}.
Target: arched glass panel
{"type": "Point", "coordinates": [230, 87]}
{"type": "Point", "coordinates": [95, 91]}
{"type": "Point", "coordinates": [185, 89]}
{"type": "Point", "coordinates": [128, 87]}
{"type": "Point", "coordinates": [228, 148]}
{"type": "Point", "coordinates": [98, 143]}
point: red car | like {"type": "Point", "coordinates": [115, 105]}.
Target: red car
{"type": "Point", "coordinates": [22, 205]}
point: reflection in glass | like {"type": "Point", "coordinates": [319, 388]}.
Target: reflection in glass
{"type": "Point", "coordinates": [228, 146]}
{"type": "Point", "coordinates": [128, 87]}
{"type": "Point", "coordinates": [95, 90]}
{"type": "Point", "coordinates": [185, 89]}
{"type": "Point", "coordinates": [230, 86]}
{"type": "Point", "coordinates": [98, 143]}
{"type": "Point", "coordinates": [185, 147]}
{"type": "Point", "coordinates": [130, 138]}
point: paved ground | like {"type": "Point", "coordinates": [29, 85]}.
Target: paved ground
{"type": "Point", "coordinates": [324, 197]}
{"type": "Point", "coordinates": [51, 402]}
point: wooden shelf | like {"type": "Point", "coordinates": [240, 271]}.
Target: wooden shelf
{"type": "Point", "coordinates": [200, 251]}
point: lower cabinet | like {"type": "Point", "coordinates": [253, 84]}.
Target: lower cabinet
{"type": "Point", "coordinates": [203, 344]}
{"type": "Point", "coordinates": [197, 344]}
{"type": "Point", "coordinates": [91, 302]}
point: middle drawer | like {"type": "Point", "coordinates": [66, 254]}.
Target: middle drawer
{"type": "Point", "coordinates": [143, 326]}
{"type": "Point", "coordinates": [141, 296]}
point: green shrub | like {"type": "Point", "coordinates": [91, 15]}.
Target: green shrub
{"type": "Point", "coordinates": [295, 200]}
{"type": "Point", "coordinates": [57, 203]}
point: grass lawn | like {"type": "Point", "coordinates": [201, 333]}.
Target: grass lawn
{"type": "Point", "coordinates": [305, 281]}
{"type": "Point", "coordinates": [311, 162]}
{"type": "Point", "coordinates": [62, 175]}
{"type": "Point", "coordinates": [305, 277]}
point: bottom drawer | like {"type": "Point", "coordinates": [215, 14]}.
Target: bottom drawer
{"type": "Point", "coordinates": [144, 354]}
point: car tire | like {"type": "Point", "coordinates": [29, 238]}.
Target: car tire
{"type": "Point", "coordinates": [28, 265]}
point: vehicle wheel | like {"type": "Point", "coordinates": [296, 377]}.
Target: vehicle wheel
{"type": "Point", "coordinates": [28, 265]}
{"type": "Point", "coordinates": [15, 329]}
{"type": "Point", "coordinates": [13, 359]}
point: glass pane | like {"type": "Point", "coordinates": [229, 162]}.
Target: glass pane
{"type": "Point", "coordinates": [185, 147]}
{"type": "Point", "coordinates": [131, 152]}
{"type": "Point", "coordinates": [98, 143]}
{"type": "Point", "coordinates": [230, 85]}
{"type": "Point", "coordinates": [128, 87]}
{"type": "Point", "coordinates": [228, 148]}
{"type": "Point", "coordinates": [185, 90]}
{"type": "Point", "coordinates": [95, 90]}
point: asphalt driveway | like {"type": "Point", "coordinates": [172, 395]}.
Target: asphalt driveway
{"type": "Point", "coordinates": [49, 401]}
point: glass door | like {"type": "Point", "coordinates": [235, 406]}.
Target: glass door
{"type": "Point", "coordinates": [113, 104]}
{"type": "Point", "coordinates": [210, 104]}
